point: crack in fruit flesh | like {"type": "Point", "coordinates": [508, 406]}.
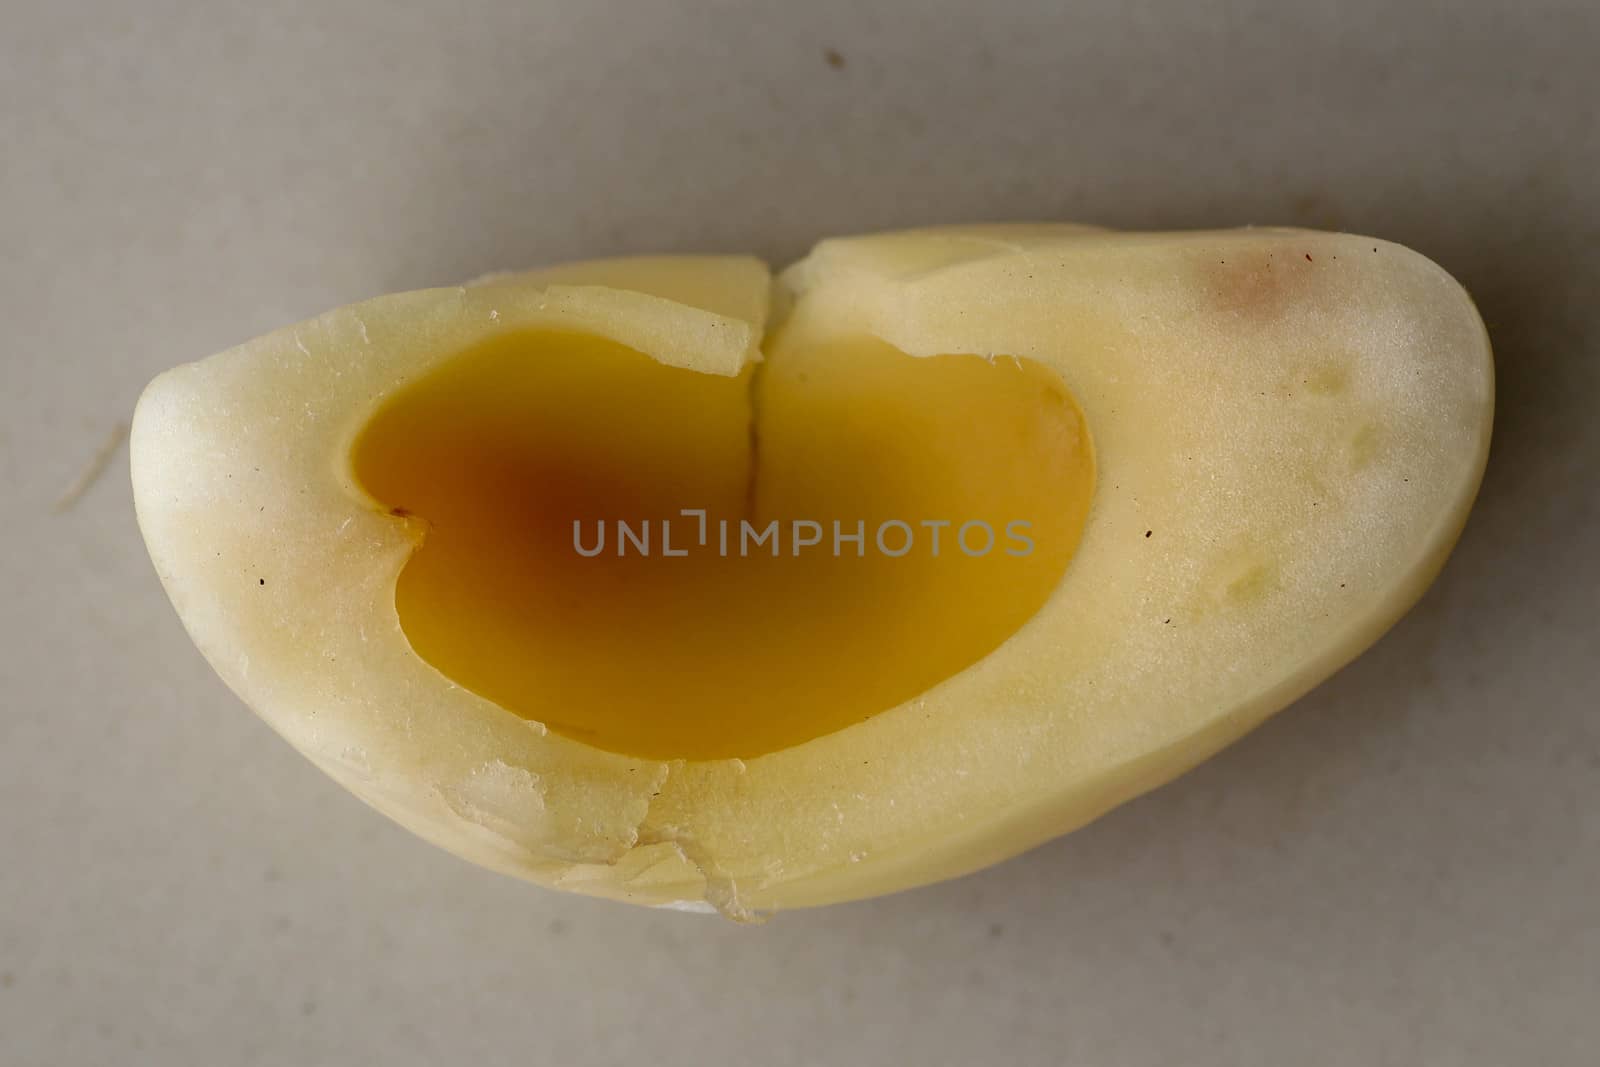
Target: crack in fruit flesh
{"type": "Point", "coordinates": [501, 449]}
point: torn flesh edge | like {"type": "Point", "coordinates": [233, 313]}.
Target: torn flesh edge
{"type": "Point", "coordinates": [721, 892]}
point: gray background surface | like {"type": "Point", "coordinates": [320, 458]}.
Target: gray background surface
{"type": "Point", "coordinates": [1401, 869]}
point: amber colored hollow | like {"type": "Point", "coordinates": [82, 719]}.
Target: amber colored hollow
{"type": "Point", "coordinates": [727, 649]}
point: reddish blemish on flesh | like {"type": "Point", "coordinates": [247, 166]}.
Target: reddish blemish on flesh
{"type": "Point", "coordinates": [1255, 283]}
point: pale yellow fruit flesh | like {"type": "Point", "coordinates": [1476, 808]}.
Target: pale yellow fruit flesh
{"type": "Point", "coordinates": [1288, 430]}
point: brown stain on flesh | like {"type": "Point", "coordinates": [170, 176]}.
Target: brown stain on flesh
{"type": "Point", "coordinates": [1256, 284]}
